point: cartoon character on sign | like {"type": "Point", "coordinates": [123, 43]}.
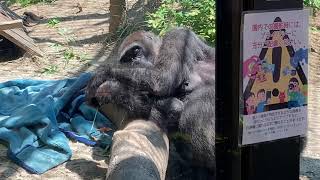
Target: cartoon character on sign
{"type": "Point", "coordinates": [254, 68]}
{"type": "Point", "coordinates": [296, 98]}
{"type": "Point", "coordinates": [289, 71]}
{"type": "Point", "coordinates": [282, 96]}
{"type": "Point", "coordinates": [262, 101]}
{"type": "Point", "coordinates": [251, 103]}
{"type": "Point", "coordinates": [248, 67]}
{"type": "Point", "coordinates": [304, 66]}
{"type": "Point", "coordinates": [304, 90]}
{"type": "Point", "coordinates": [267, 67]}
{"type": "Point", "coordinates": [267, 75]}
{"type": "Point", "coordinates": [260, 73]}
{"type": "Point", "coordinates": [300, 56]}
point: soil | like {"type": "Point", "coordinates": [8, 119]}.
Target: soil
{"type": "Point", "coordinates": [89, 30]}
{"type": "Point", "coordinates": [310, 160]}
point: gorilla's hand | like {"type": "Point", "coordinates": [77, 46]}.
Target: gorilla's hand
{"type": "Point", "coordinates": [102, 75]}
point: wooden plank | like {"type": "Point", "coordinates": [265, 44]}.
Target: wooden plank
{"type": "Point", "coordinates": [10, 24]}
{"type": "Point", "coordinates": [7, 12]}
{"type": "Point", "coordinates": [13, 35]}
{"type": "Point", "coordinates": [17, 36]}
{"type": "Point", "coordinates": [23, 35]}
{"type": "Point", "coordinates": [4, 17]}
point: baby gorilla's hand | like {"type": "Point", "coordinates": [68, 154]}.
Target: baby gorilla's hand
{"type": "Point", "coordinates": [136, 103]}
{"type": "Point", "coordinates": [170, 109]}
{"type": "Point", "coordinates": [93, 85]}
{"type": "Point", "coordinates": [91, 89]}
{"type": "Point", "coordinates": [109, 92]}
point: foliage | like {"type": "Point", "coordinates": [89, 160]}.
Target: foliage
{"type": "Point", "coordinates": [315, 4]}
{"type": "Point", "coordinates": [53, 22]}
{"type": "Point", "coordinates": [50, 69]}
{"type": "Point", "coordinates": [28, 2]}
{"type": "Point", "coordinates": [56, 47]}
{"type": "Point", "coordinates": [68, 55]}
{"type": "Point", "coordinates": [198, 15]}
{"type": "Point", "coordinates": [67, 34]}
{"type": "Point", "coordinates": [315, 28]}
{"type": "Point", "coordinates": [127, 28]}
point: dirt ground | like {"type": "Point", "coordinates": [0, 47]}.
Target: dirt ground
{"type": "Point", "coordinates": [82, 35]}
{"type": "Point", "coordinates": [88, 28]}
{"type": "Point", "coordinates": [88, 31]}
{"type": "Point", "coordinates": [310, 160]}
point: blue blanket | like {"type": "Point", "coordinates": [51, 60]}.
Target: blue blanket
{"type": "Point", "coordinates": [36, 117]}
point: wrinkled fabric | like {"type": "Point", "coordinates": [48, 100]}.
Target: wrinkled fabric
{"type": "Point", "coordinates": [36, 116]}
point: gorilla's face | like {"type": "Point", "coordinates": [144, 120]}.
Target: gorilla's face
{"type": "Point", "coordinates": [136, 56]}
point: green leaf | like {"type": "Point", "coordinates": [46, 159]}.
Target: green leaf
{"type": "Point", "coordinates": [198, 15]}
{"type": "Point", "coordinates": [50, 69]}
{"type": "Point", "coordinates": [53, 22]}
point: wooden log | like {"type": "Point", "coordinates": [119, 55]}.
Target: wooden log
{"type": "Point", "coordinates": [10, 25]}
{"type": "Point", "coordinates": [16, 34]}
{"type": "Point", "coordinates": [140, 149]}
{"type": "Point", "coordinates": [20, 38]}
{"type": "Point", "coordinates": [7, 12]}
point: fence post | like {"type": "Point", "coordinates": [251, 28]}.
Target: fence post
{"type": "Point", "coordinates": [240, 155]}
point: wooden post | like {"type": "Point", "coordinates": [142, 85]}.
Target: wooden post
{"type": "Point", "coordinates": [275, 160]}
{"type": "Point", "coordinates": [117, 11]}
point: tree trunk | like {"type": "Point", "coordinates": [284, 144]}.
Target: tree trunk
{"type": "Point", "coordinates": [117, 11]}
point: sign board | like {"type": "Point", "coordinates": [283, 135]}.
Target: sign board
{"type": "Point", "coordinates": [274, 75]}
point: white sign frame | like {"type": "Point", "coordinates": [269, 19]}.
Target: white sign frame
{"type": "Point", "coordinates": [262, 118]}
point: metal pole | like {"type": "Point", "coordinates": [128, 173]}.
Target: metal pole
{"type": "Point", "coordinates": [276, 160]}
{"type": "Point", "coordinates": [228, 153]}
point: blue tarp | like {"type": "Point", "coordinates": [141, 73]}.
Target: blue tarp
{"type": "Point", "coordinates": [36, 116]}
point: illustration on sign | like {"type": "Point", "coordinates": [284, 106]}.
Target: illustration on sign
{"type": "Point", "coordinates": [275, 71]}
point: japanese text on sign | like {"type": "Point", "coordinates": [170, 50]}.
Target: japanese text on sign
{"type": "Point", "coordinates": [274, 124]}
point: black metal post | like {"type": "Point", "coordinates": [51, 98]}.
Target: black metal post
{"type": "Point", "coordinates": [228, 19]}
{"type": "Point", "coordinates": [277, 160]}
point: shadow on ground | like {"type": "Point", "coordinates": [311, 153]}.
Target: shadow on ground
{"type": "Point", "coordinates": [85, 168]}
{"type": "Point", "coordinates": [135, 15]}
{"type": "Point", "coordinates": [310, 168]}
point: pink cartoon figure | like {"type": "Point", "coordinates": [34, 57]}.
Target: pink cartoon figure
{"type": "Point", "coordinates": [260, 73]}
{"type": "Point", "coordinates": [282, 96]}
{"type": "Point", "coordinates": [253, 69]}
{"type": "Point", "coordinates": [251, 103]}
{"type": "Point", "coordinates": [248, 67]}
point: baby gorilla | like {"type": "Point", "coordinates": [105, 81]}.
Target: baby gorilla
{"type": "Point", "coordinates": [137, 50]}
{"type": "Point", "coordinates": [184, 68]}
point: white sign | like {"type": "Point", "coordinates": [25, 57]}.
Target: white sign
{"type": "Point", "coordinates": [275, 75]}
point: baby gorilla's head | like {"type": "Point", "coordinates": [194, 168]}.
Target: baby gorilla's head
{"type": "Point", "coordinates": [135, 56]}
{"type": "Point", "coordinates": [139, 48]}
